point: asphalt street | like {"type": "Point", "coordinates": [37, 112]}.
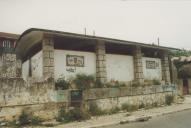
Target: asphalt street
{"type": "Point", "coordinates": [176, 120]}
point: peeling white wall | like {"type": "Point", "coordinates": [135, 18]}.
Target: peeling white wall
{"type": "Point", "coordinates": [119, 67]}
{"type": "Point", "coordinates": [151, 74]}
{"type": "Point", "coordinates": [61, 69]}
{"type": "Point", "coordinates": [25, 70]}
{"type": "Point", "coordinates": [37, 65]}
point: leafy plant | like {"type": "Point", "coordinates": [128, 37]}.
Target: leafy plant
{"type": "Point", "coordinates": [114, 110]}
{"type": "Point", "coordinates": [35, 120]}
{"type": "Point", "coordinates": [129, 107]}
{"type": "Point", "coordinates": [182, 53]}
{"type": "Point", "coordinates": [156, 82]}
{"type": "Point", "coordinates": [169, 99]}
{"type": "Point", "coordinates": [142, 105]}
{"type": "Point", "coordinates": [94, 110]}
{"type": "Point", "coordinates": [24, 118]}
{"type": "Point", "coordinates": [98, 84]}
{"type": "Point", "coordinates": [72, 115]}
{"type": "Point", "coordinates": [62, 84]}
{"type": "Point", "coordinates": [83, 81]}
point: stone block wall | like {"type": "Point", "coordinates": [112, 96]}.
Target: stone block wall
{"type": "Point", "coordinates": [108, 98]}
{"type": "Point", "coordinates": [165, 68]}
{"type": "Point", "coordinates": [138, 66]}
{"type": "Point", "coordinates": [37, 98]}
{"type": "Point", "coordinates": [101, 73]}
{"type": "Point", "coordinates": [9, 65]}
{"type": "Point", "coordinates": [48, 56]}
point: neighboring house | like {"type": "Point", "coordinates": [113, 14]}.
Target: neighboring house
{"type": "Point", "coordinates": [9, 67]}
{"type": "Point", "coordinates": [47, 53]}
{"type": "Point", "coordinates": [183, 64]}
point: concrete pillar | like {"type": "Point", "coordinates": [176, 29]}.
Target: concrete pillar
{"type": "Point", "coordinates": [165, 68]}
{"type": "Point", "coordinates": [101, 73]}
{"type": "Point", "coordinates": [48, 56]}
{"type": "Point", "coordinates": [138, 66]}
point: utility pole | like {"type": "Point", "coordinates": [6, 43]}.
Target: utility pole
{"type": "Point", "coordinates": [93, 32]}
{"type": "Point", "coordinates": [85, 31]}
{"type": "Point", "coordinates": [158, 41]}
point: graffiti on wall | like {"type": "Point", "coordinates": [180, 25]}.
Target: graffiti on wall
{"type": "Point", "coordinates": [74, 61]}
{"type": "Point", "coordinates": [151, 64]}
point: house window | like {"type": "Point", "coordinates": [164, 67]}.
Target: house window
{"type": "Point", "coordinates": [6, 44]}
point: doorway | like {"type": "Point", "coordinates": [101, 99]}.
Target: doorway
{"type": "Point", "coordinates": [185, 87]}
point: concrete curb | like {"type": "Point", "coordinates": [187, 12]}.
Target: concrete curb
{"type": "Point", "coordinates": [138, 119]}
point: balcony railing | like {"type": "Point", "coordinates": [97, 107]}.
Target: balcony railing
{"type": "Point", "coordinates": [7, 50]}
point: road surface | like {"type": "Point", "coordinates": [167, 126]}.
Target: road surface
{"type": "Point", "coordinates": [176, 120]}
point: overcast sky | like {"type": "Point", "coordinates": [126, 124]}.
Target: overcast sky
{"type": "Point", "coordinates": [134, 20]}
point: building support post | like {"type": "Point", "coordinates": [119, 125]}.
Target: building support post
{"type": "Point", "coordinates": [138, 66]}
{"type": "Point", "coordinates": [101, 73]}
{"type": "Point", "coordinates": [48, 56]}
{"type": "Point", "coordinates": [165, 68]}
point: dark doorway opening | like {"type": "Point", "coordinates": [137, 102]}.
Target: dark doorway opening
{"type": "Point", "coordinates": [76, 98]}
{"type": "Point", "coordinates": [185, 87]}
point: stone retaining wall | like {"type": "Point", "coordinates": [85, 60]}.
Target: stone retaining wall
{"type": "Point", "coordinates": [108, 98]}
{"type": "Point", "coordinates": [36, 98]}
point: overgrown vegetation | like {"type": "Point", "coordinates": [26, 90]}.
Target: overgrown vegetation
{"type": "Point", "coordinates": [94, 110]}
{"type": "Point", "coordinates": [35, 120]}
{"type": "Point", "coordinates": [169, 99]}
{"type": "Point", "coordinates": [182, 53]}
{"type": "Point", "coordinates": [156, 82]}
{"type": "Point", "coordinates": [83, 81]}
{"type": "Point", "coordinates": [129, 108]}
{"type": "Point", "coordinates": [114, 110]}
{"type": "Point", "coordinates": [24, 118]}
{"type": "Point", "coordinates": [115, 84]}
{"type": "Point", "coordinates": [72, 115]}
{"type": "Point", "coordinates": [62, 84]}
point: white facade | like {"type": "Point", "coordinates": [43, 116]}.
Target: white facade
{"type": "Point", "coordinates": [36, 67]}
{"type": "Point", "coordinates": [61, 68]}
{"type": "Point", "coordinates": [119, 67]}
{"type": "Point", "coordinates": [153, 72]}
{"type": "Point", "coordinates": [25, 69]}
{"type": "Point", "coordinates": [36, 62]}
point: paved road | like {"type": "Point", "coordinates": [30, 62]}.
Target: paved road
{"type": "Point", "coordinates": [176, 120]}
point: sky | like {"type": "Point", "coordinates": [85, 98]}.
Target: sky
{"type": "Point", "coordinates": [134, 20]}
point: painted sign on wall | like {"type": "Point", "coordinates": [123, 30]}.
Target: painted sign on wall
{"type": "Point", "coordinates": [151, 64]}
{"type": "Point", "coordinates": [74, 60]}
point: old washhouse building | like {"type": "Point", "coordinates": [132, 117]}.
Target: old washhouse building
{"type": "Point", "coordinates": [47, 53]}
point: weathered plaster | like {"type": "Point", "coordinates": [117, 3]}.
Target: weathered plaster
{"type": "Point", "coordinates": [119, 67]}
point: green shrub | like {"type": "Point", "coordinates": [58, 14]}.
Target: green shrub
{"type": "Point", "coordinates": [114, 110]}
{"type": "Point", "coordinates": [72, 115]}
{"type": "Point", "coordinates": [94, 110]}
{"type": "Point", "coordinates": [35, 120]}
{"type": "Point", "coordinates": [62, 84]}
{"type": "Point", "coordinates": [156, 82]}
{"type": "Point", "coordinates": [119, 84]}
{"type": "Point", "coordinates": [129, 107]}
{"type": "Point", "coordinates": [98, 84]}
{"type": "Point", "coordinates": [83, 81]}
{"type": "Point", "coordinates": [169, 99]}
{"type": "Point", "coordinates": [114, 84]}
{"type": "Point", "coordinates": [24, 118]}
{"type": "Point", "coordinates": [142, 105]}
